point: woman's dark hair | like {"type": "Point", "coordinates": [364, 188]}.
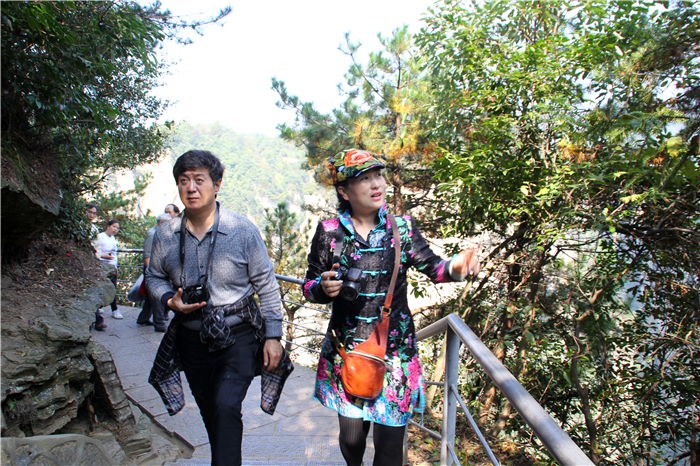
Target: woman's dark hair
{"type": "Point", "coordinates": [112, 222]}
{"type": "Point", "coordinates": [343, 204]}
{"type": "Point", "coordinates": [193, 159]}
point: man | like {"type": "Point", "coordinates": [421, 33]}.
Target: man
{"type": "Point", "coordinates": [152, 307]}
{"type": "Point", "coordinates": [173, 210]}
{"type": "Point", "coordinates": [216, 334]}
{"type": "Point", "coordinates": [91, 214]}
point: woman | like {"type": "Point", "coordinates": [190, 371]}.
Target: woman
{"type": "Point", "coordinates": [368, 244]}
{"type": "Point", "coordinates": [106, 247]}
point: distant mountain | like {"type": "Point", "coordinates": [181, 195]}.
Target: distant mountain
{"type": "Point", "coordinates": [260, 171]}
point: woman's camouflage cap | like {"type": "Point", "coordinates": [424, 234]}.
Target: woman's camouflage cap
{"type": "Point", "coordinates": [350, 163]}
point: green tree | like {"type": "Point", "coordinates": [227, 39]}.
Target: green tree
{"type": "Point", "coordinates": [76, 82]}
{"type": "Point", "coordinates": [287, 249]}
{"type": "Point", "coordinates": [383, 112]}
{"type": "Point", "coordinates": [250, 161]}
{"type": "Point", "coordinates": [559, 138]}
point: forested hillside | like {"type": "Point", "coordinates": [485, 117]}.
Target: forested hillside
{"type": "Point", "coordinates": [261, 171]}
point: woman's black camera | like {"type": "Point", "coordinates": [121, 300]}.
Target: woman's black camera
{"type": "Point", "coordinates": [195, 294]}
{"type": "Point", "coordinates": [353, 280]}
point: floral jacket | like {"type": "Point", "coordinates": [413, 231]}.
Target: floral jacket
{"type": "Point", "coordinates": [353, 321]}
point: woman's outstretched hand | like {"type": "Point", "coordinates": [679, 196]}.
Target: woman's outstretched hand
{"type": "Point", "coordinates": [466, 263]}
{"type": "Point", "coordinates": [329, 284]}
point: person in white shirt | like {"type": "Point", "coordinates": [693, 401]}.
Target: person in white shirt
{"type": "Point", "coordinates": [106, 246]}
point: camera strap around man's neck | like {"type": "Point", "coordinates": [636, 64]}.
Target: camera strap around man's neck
{"type": "Point", "coordinates": [183, 235]}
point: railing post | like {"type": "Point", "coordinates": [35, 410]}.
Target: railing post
{"type": "Point", "coordinates": [449, 411]}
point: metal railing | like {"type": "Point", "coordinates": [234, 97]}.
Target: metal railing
{"type": "Point", "coordinates": [313, 331]}
{"type": "Point", "coordinates": [122, 266]}
{"type": "Point", "coordinates": [552, 436]}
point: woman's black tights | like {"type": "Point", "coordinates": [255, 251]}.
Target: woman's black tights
{"type": "Point", "coordinates": [388, 442]}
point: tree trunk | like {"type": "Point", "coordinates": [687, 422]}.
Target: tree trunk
{"type": "Point", "coordinates": [397, 198]}
{"type": "Point", "coordinates": [520, 369]}
{"type": "Point", "coordinates": [502, 420]}
{"type": "Point", "coordinates": [583, 392]}
{"type": "Point", "coordinates": [490, 393]}
{"type": "Point", "coordinates": [507, 320]}
{"type": "Point", "coordinates": [437, 375]}
{"type": "Point", "coordinates": [291, 312]}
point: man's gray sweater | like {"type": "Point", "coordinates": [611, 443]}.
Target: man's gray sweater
{"type": "Point", "coordinates": [240, 266]}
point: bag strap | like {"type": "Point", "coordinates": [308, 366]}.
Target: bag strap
{"type": "Point", "coordinates": [397, 263]}
{"type": "Point", "coordinates": [377, 341]}
{"type": "Point", "coordinates": [381, 330]}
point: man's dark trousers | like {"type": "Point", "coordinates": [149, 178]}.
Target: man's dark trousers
{"type": "Point", "coordinates": [152, 308]}
{"type": "Point", "coordinates": [155, 309]}
{"type": "Point", "coordinates": [219, 381]}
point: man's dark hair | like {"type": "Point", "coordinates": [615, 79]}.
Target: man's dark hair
{"type": "Point", "coordinates": [193, 159]}
{"type": "Point", "coordinates": [176, 209]}
{"type": "Point", "coordinates": [90, 206]}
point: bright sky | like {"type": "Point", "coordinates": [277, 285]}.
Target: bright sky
{"type": "Point", "coordinates": [225, 75]}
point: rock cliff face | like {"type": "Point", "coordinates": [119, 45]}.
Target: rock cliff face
{"type": "Point", "coordinates": [161, 189]}
{"type": "Point", "coordinates": [31, 197]}
{"type": "Point", "coordinates": [55, 378]}
{"type": "Point", "coordinates": [46, 362]}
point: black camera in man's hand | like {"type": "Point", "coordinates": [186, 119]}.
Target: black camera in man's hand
{"type": "Point", "coordinates": [195, 294]}
{"type": "Point", "coordinates": [353, 280]}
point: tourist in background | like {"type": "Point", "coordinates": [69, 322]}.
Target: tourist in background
{"type": "Point", "coordinates": [106, 246]}
{"type": "Point", "coordinates": [367, 243]}
{"type": "Point", "coordinates": [91, 214]}
{"type": "Point", "coordinates": [172, 210]}
{"type": "Point", "coordinates": [152, 307]}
